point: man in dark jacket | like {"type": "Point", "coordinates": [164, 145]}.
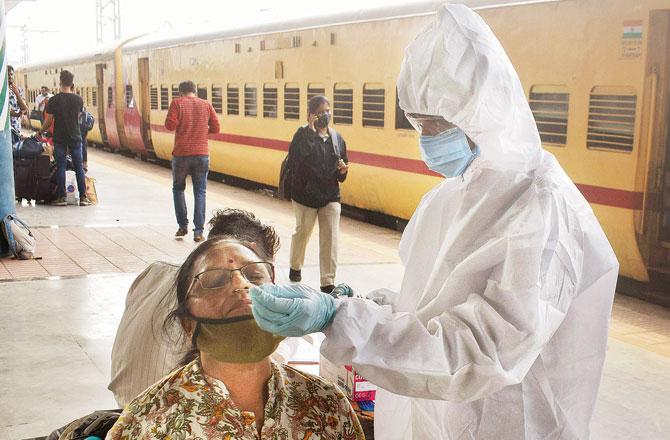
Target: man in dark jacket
{"type": "Point", "coordinates": [318, 163]}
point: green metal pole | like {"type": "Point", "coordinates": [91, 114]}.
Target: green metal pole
{"type": "Point", "coordinates": [7, 199]}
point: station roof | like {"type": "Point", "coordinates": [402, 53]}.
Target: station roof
{"type": "Point", "coordinates": [157, 40]}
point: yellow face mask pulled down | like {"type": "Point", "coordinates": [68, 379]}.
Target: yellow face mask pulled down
{"type": "Point", "coordinates": [236, 340]}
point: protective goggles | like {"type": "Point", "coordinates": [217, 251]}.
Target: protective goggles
{"type": "Point", "coordinates": [214, 280]}
{"type": "Point", "coordinates": [428, 125]}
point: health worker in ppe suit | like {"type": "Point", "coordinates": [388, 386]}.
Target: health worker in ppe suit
{"type": "Point", "coordinates": [499, 330]}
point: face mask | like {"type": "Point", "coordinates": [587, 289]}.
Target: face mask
{"type": "Point", "coordinates": [447, 153]}
{"type": "Point", "coordinates": [236, 340]}
{"type": "Point", "coordinates": [323, 120]}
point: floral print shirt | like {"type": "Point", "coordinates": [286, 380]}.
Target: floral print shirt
{"type": "Point", "coordinates": [187, 404]}
{"type": "Point", "coordinates": [14, 106]}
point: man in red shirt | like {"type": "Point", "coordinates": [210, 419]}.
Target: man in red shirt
{"type": "Point", "coordinates": [192, 119]}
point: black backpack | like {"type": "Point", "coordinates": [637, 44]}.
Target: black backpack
{"type": "Point", "coordinates": [286, 173]}
{"type": "Point", "coordinates": [285, 179]}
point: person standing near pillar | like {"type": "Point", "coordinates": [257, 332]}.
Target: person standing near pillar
{"type": "Point", "coordinates": [319, 163]}
{"type": "Point", "coordinates": [17, 104]}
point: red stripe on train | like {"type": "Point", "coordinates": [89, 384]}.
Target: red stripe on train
{"type": "Point", "coordinates": [611, 197]}
{"type": "Point", "coordinates": [594, 194]}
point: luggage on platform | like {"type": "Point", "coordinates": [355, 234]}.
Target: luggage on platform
{"type": "Point", "coordinates": [27, 148]}
{"type": "Point", "coordinates": [34, 178]}
{"type": "Point", "coordinates": [91, 193]}
{"type": "Point", "coordinates": [71, 188]}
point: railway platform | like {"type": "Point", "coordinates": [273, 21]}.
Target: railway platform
{"type": "Point", "coordinates": [58, 314]}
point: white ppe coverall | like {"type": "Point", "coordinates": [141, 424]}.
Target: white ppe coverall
{"type": "Point", "coordinates": [499, 330]}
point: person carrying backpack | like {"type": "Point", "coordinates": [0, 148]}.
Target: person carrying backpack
{"type": "Point", "coordinates": [63, 110]}
{"type": "Point", "coordinates": [318, 164]}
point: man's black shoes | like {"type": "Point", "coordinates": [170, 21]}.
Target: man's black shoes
{"type": "Point", "coordinates": [294, 275]}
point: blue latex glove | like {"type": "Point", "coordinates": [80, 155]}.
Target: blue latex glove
{"type": "Point", "coordinates": [291, 310]}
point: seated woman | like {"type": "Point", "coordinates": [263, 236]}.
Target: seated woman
{"type": "Point", "coordinates": [230, 388]}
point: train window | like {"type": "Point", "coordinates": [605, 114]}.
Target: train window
{"type": "Point", "coordinates": [130, 103]}
{"type": "Point", "coordinates": [94, 97]}
{"type": "Point", "coordinates": [202, 91]}
{"type": "Point", "coordinates": [217, 98]}
{"type": "Point", "coordinates": [269, 101]}
{"type": "Point", "coordinates": [611, 118]}
{"type": "Point", "coordinates": [401, 122]}
{"type": "Point", "coordinates": [315, 89]}
{"type": "Point", "coordinates": [165, 97]}
{"type": "Point", "coordinates": [233, 98]}
{"type": "Point", "coordinates": [343, 103]}
{"type": "Point", "coordinates": [549, 105]}
{"type": "Point", "coordinates": [153, 93]}
{"type": "Point", "coordinates": [88, 96]}
{"type": "Point", "coordinates": [250, 99]}
{"type": "Point", "coordinates": [291, 101]}
{"type": "Point", "coordinates": [110, 95]}
{"type": "Point", "coordinates": [373, 105]}
{"type": "Point", "coordinates": [175, 91]}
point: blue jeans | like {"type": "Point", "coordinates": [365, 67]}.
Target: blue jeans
{"type": "Point", "coordinates": [60, 152]}
{"type": "Point", "coordinates": [84, 146]}
{"type": "Point", "coordinates": [198, 168]}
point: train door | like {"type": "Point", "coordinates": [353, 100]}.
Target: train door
{"type": "Point", "coordinates": [102, 99]}
{"type": "Point", "coordinates": [655, 224]}
{"type": "Point", "coordinates": [145, 104]}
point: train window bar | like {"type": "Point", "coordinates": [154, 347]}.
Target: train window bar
{"type": "Point", "coordinates": [373, 105]}
{"type": "Point", "coordinates": [165, 98]}
{"type": "Point", "coordinates": [217, 98]}
{"type": "Point", "coordinates": [202, 91]}
{"type": "Point", "coordinates": [343, 103]}
{"type": "Point", "coordinates": [250, 100]}
{"type": "Point", "coordinates": [269, 101]}
{"type": "Point", "coordinates": [549, 105]}
{"type": "Point", "coordinates": [291, 101]}
{"type": "Point", "coordinates": [233, 99]}
{"type": "Point", "coordinates": [611, 123]}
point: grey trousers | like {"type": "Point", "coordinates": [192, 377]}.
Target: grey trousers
{"type": "Point", "coordinates": [329, 226]}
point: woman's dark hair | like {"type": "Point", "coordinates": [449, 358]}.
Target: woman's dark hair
{"type": "Point", "coordinates": [183, 282]}
{"type": "Point", "coordinates": [186, 87]}
{"type": "Point", "coordinates": [315, 102]}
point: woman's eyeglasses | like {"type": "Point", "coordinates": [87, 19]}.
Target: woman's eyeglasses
{"type": "Point", "coordinates": [256, 273]}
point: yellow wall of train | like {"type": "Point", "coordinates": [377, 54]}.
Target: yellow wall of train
{"type": "Point", "coordinates": [597, 31]}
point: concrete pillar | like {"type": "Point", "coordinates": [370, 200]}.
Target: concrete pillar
{"type": "Point", "coordinates": [7, 205]}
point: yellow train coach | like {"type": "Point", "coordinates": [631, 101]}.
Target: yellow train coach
{"type": "Point", "coordinates": [596, 73]}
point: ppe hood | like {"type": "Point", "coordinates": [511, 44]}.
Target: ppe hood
{"type": "Point", "coordinates": [457, 69]}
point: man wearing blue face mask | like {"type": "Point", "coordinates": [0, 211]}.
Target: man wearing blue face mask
{"type": "Point", "coordinates": [445, 148]}
{"type": "Point", "coordinates": [499, 329]}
